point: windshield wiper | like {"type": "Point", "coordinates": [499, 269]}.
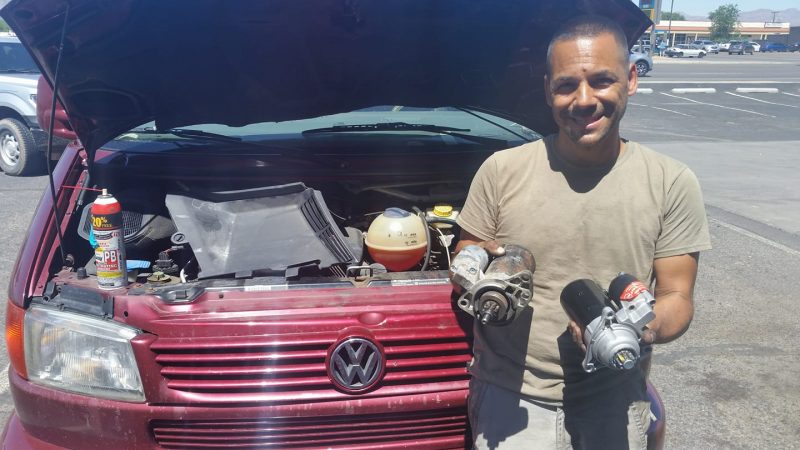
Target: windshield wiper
{"type": "Point", "coordinates": [403, 126]}
{"type": "Point", "coordinates": [385, 126]}
{"type": "Point", "coordinates": [190, 134]}
{"type": "Point", "coordinates": [19, 71]}
{"type": "Point", "coordinates": [288, 153]}
{"type": "Point", "coordinates": [198, 134]}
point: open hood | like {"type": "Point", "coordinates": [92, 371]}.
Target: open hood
{"type": "Point", "coordinates": [183, 62]}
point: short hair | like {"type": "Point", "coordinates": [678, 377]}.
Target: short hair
{"type": "Point", "coordinates": [589, 25]}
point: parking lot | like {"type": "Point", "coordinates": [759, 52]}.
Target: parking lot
{"type": "Point", "coordinates": [718, 98]}
{"type": "Point", "coordinates": [728, 113]}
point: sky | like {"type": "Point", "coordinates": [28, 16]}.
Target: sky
{"type": "Point", "coordinates": [703, 7]}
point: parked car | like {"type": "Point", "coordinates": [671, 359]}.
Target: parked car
{"type": "Point", "coordinates": [643, 62]}
{"type": "Point", "coordinates": [756, 46]}
{"type": "Point", "coordinates": [708, 46]}
{"type": "Point", "coordinates": [250, 145]}
{"type": "Point", "coordinates": [774, 47]}
{"type": "Point", "coordinates": [21, 138]}
{"type": "Point", "coordinates": [723, 47]}
{"type": "Point", "coordinates": [794, 47]}
{"type": "Point", "coordinates": [740, 48]}
{"type": "Point", "coordinates": [687, 50]}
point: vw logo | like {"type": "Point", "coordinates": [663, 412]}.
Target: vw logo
{"type": "Point", "coordinates": [356, 364]}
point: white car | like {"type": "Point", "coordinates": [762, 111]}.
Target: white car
{"type": "Point", "coordinates": [685, 50]}
{"type": "Point", "coordinates": [708, 46]}
{"type": "Point", "coordinates": [724, 46]}
{"type": "Point", "coordinates": [756, 46]}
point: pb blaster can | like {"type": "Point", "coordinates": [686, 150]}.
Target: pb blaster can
{"type": "Point", "coordinates": [109, 255]}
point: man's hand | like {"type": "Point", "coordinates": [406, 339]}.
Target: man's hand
{"type": "Point", "coordinates": [493, 247]}
{"type": "Point", "coordinates": [675, 278]}
{"type": "Point", "coordinates": [577, 334]}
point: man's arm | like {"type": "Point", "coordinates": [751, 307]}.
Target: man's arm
{"type": "Point", "coordinates": [675, 278]}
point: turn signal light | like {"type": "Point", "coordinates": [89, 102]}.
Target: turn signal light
{"type": "Point", "coordinates": [15, 338]}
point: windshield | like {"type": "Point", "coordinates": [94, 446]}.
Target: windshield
{"type": "Point", "coordinates": [436, 120]}
{"type": "Point", "coordinates": [14, 58]}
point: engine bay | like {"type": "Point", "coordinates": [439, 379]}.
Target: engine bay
{"type": "Point", "coordinates": [183, 231]}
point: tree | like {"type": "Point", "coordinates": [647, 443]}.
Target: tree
{"type": "Point", "coordinates": [724, 21]}
{"type": "Point", "coordinates": [672, 16]}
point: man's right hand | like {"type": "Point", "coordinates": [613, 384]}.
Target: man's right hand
{"type": "Point", "coordinates": [493, 247]}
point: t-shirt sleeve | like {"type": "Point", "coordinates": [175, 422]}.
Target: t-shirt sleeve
{"type": "Point", "coordinates": [479, 215]}
{"type": "Point", "coordinates": [685, 225]}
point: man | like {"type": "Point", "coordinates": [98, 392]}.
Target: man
{"type": "Point", "coordinates": [588, 204]}
{"type": "Point", "coordinates": [661, 47]}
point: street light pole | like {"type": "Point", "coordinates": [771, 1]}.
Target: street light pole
{"type": "Point", "coordinates": [656, 19]}
{"type": "Point", "coordinates": [669, 27]}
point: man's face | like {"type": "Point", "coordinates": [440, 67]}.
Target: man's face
{"type": "Point", "coordinates": [588, 88]}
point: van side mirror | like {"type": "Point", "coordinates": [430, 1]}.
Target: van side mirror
{"type": "Point", "coordinates": [44, 101]}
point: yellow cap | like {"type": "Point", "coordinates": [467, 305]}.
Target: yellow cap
{"type": "Point", "coordinates": [443, 210]}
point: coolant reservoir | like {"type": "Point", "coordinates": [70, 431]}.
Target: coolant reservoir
{"type": "Point", "coordinates": [397, 239]}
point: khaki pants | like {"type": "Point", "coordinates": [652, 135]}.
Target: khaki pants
{"type": "Point", "coordinates": [502, 419]}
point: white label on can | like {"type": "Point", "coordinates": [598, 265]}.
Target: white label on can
{"type": "Point", "coordinates": [109, 257]}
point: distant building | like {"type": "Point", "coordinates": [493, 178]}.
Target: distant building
{"type": "Point", "coordinates": [794, 35]}
{"type": "Point", "coordinates": [684, 31]}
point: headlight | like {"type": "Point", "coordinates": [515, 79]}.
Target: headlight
{"type": "Point", "coordinates": [81, 354]}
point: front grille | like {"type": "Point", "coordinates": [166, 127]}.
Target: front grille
{"type": "Point", "coordinates": [275, 370]}
{"type": "Point", "coordinates": [445, 428]}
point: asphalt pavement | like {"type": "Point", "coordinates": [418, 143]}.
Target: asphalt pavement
{"type": "Point", "coordinates": [759, 67]}
{"type": "Point", "coordinates": [731, 381]}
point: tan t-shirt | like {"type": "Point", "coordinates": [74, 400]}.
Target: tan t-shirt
{"type": "Point", "coordinates": [578, 223]}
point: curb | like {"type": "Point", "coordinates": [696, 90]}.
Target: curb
{"type": "Point", "coordinates": [694, 91]}
{"type": "Point", "coordinates": [644, 91]}
{"type": "Point", "coordinates": [757, 90]}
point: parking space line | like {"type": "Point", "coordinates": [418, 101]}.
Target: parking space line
{"type": "Point", "coordinates": [762, 101]}
{"type": "Point", "coordinates": [793, 95]}
{"type": "Point", "coordinates": [715, 82]}
{"type": "Point", "coordinates": [754, 236]}
{"type": "Point", "coordinates": [757, 90]}
{"type": "Point", "coordinates": [681, 136]}
{"type": "Point", "coordinates": [694, 91]}
{"type": "Point", "coordinates": [718, 106]}
{"type": "Point", "coordinates": [660, 109]}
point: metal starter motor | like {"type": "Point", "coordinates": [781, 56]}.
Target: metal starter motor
{"type": "Point", "coordinates": [612, 322]}
{"type": "Point", "coordinates": [494, 293]}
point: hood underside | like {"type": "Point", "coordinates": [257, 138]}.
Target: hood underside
{"type": "Point", "coordinates": [183, 62]}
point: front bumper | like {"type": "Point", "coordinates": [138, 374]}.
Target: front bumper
{"type": "Point", "coordinates": [46, 419]}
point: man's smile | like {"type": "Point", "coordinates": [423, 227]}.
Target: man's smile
{"type": "Point", "coordinates": [587, 122]}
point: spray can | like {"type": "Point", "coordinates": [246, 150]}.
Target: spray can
{"type": "Point", "coordinates": [109, 255]}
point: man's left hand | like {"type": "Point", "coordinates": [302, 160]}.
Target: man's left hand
{"type": "Point", "coordinates": [577, 334]}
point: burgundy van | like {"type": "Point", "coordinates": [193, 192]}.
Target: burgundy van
{"type": "Point", "coordinates": [268, 156]}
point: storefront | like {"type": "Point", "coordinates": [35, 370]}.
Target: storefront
{"type": "Point", "coordinates": [684, 31]}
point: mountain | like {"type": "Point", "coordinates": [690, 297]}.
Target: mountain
{"type": "Point", "coordinates": [791, 15]}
